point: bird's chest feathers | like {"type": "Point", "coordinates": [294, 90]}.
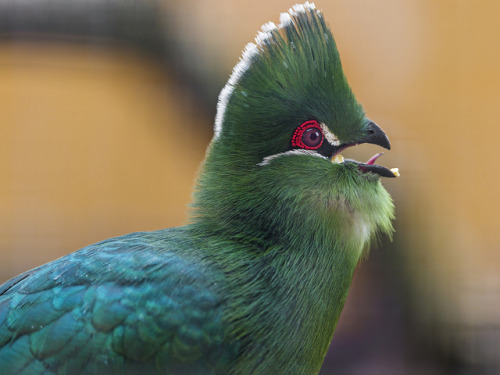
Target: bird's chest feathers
{"type": "Point", "coordinates": [297, 310]}
{"type": "Point", "coordinates": [351, 225]}
{"type": "Point", "coordinates": [361, 230]}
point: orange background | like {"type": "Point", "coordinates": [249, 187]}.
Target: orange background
{"type": "Point", "coordinates": [97, 142]}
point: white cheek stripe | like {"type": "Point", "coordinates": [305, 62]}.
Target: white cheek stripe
{"type": "Point", "coordinates": [267, 160]}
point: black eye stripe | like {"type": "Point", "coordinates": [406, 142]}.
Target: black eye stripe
{"type": "Point", "coordinates": [308, 136]}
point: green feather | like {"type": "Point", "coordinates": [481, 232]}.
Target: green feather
{"type": "Point", "coordinates": [298, 226]}
{"type": "Point", "coordinates": [256, 283]}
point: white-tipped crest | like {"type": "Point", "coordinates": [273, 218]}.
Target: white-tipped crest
{"type": "Point", "coordinates": [245, 61]}
{"type": "Point", "coordinates": [250, 51]}
{"type": "Point", "coordinates": [265, 34]}
{"type": "Point", "coordinates": [285, 20]}
{"type": "Point", "coordinates": [268, 27]}
{"type": "Point", "coordinates": [301, 8]}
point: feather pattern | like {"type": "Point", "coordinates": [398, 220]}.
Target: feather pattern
{"type": "Point", "coordinates": [256, 282]}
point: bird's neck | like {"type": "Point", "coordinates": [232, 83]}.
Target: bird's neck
{"type": "Point", "coordinates": [288, 253]}
{"type": "Point", "coordinates": [308, 304]}
{"type": "Point", "coordinates": [288, 283]}
{"type": "Point", "coordinates": [288, 297]}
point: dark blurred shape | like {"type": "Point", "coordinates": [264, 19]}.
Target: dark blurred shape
{"type": "Point", "coordinates": [140, 25]}
{"type": "Point", "coordinates": [90, 92]}
{"type": "Point", "coordinates": [135, 24]}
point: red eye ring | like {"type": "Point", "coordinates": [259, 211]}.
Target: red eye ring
{"type": "Point", "coordinates": [308, 136]}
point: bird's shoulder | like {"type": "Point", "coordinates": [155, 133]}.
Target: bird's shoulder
{"type": "Point", "coordinates": [142, 300]}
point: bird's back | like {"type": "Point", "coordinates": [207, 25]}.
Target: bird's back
{"type": "Point", "coordinates": [142, 303]}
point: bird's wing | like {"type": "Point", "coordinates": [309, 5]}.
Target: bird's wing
{"type": "Point", "coordinates": [121, 306]}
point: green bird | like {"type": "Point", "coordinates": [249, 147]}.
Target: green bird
{"type": "Point", "coordinates": [256, 282]}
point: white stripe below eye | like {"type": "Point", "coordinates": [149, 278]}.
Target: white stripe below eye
{"type": "Point", "coordinates": [267, 160]}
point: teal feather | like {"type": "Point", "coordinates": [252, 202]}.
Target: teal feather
{"type": "Point", "coordinates": [256, 283]}
{"type": "Point", "coordinates": [126, 302]}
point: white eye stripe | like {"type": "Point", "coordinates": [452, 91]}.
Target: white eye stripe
{"type": "Point", "coordinates": [329, 136]}
{"type": "Point", "coordinates": [267, 160]}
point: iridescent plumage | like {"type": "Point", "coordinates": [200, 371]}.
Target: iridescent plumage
{"type": "Point", "coordinates": [256, 283]}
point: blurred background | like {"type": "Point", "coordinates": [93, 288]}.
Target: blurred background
{"type": "Point", "coordinates": [106, 108]}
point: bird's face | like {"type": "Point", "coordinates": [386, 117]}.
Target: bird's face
{"type": "Point", "coordinates": [288, 96]}
{"type": "Point", "coordinates": [315, 139]}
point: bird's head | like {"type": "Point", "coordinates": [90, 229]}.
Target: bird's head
{"type": "Point", "coordinates": [282, 120]}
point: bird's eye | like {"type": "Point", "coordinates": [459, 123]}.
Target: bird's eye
{"type": "Point", "coordinates": [308, 136]}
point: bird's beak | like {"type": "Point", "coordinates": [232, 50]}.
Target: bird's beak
{"type": "Point", "coordinates": [375, 136]}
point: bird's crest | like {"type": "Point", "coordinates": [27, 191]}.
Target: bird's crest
{"type": "Point", "coordinates": [302, 36]}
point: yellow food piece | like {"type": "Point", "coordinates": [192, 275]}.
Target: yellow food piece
{"type": "Point", "coordinates": [338, 159]}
